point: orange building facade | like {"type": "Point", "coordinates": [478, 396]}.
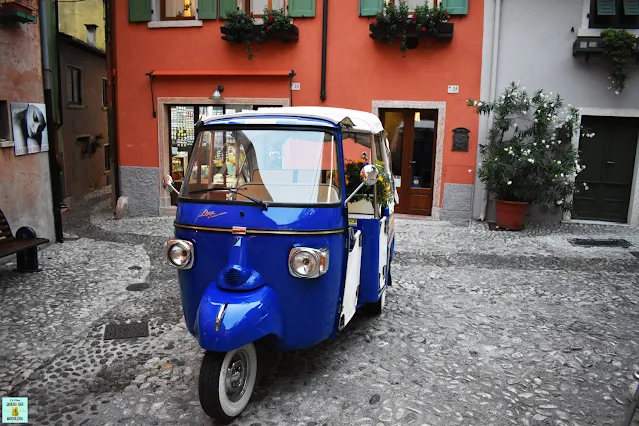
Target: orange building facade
{"type": "Point", "coordinates": [166, 64]}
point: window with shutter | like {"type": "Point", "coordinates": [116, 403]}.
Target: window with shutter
{"type": "Point", "coordinates": [227, 6]}
{"type": "Point", "coordinates": [606, 7]}
{"type": "Point", "coordinates": [207, 9]}
{"type": "Point", "coordinates": [370, 7]}
{"type": "Point", "coordinates": [74, 85]}
{"type": "Point", "coordinates": [301, 8]}
{"type": "Point", "coordinates": [631, 7]}
{"type": "Point", "coordinates": [620, 14]}
{"type": "Point", "coordinates": [139, 10]}
{"type": "Point", "coordinates": [456, 7]}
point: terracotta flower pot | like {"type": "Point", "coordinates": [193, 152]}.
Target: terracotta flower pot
{"type": "Point", "coordinates": [510, 214]}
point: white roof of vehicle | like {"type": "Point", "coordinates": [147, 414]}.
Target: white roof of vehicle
{"type": "Point", "coordinates": [363, 121]}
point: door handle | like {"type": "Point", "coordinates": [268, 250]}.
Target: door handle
{"type": "Point", "coordinates": [413, 162]}
{"type": "Point", "coordinates": [610, 162]}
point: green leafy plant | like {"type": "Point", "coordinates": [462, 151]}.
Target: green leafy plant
{"type": "Point", "coordinates": [395, 22]}
{"type": "Point", "coordinates": [383, 187]}
{"type": "Point", "coordinates": [276, 20]}
{"type": "Point", "coordinates": [241, 28]}
{"type": "Point", "coordinates": [529, 156]}
{"type": "Point", "coordinates": [619, 45]}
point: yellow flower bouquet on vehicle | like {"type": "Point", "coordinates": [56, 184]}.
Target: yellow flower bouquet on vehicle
{"type": "Point", "coordinates": [383, 185]}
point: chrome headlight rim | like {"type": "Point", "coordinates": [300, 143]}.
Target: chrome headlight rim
{"type": "Point", "coordinates": [185, 245]}
{"type": "Point", "coordinates": [319, 256]}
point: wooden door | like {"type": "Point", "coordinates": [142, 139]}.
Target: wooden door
{"type": "Point", "coordinates": [413, 157]}
{"type": "Point", "coordinates": [609, 158]}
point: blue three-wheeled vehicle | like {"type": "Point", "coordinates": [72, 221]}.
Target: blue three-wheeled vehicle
{"type": "Point", "coordinates": [284, 228]}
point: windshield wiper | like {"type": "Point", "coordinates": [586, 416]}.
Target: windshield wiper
{"type": "Point", "coordinates": [233, 190]}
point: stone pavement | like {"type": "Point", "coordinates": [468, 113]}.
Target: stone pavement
{"type": "Point", "coordinates": [481, 328]}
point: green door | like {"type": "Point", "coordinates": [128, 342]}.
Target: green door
{"type": "Point", "coordinates": [609, 158]}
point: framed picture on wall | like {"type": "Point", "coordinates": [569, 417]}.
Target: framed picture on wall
{"type": "Point", "coordinates": [30, 133]}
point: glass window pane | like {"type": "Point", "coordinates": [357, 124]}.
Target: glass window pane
{"type": "Point", "coordinates": [278, 4]}
{"type": "Point", "coordinates": [257, 6]}
{"type": "Point", "coordinates": [424, 142]}
{"type": "Point", "coordinates": [281, 166]}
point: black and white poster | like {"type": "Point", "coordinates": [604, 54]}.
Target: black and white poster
{"type": "Point", "coordinates": [30, 133]}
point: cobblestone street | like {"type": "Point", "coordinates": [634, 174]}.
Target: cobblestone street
{"type": "Point", "coordinates": [480, 328]}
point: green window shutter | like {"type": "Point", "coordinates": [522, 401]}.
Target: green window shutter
{"type": "Point", "coordinates": [139, 10]}
{"type": "Point", "coordinates": [227, 6]}
{"type": "Point", "coordinates": [207, 9]}
{"type": "Point", "coordinates": [606, 7]}
{"type": "Point", "coordinates": [370, 7]}
{"type": "Point", "coordinates": [631, 7]}
{"type": "Point", "coordinates": [301, 8]}
{"type": "Point", "coordinates": [456, 7]}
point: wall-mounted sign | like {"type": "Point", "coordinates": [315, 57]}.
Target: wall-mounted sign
{"type": "Point", "coordinates": [460, 139]}
{"type": "Point", "coordinates": [30, 133]}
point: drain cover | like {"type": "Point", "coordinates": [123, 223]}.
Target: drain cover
{"type": "Point", "coordinates": [138, 287]}
{"type": "Point", "coordinates": [126, 331]}
{"type": "Point", "coordinates": [591, 242]}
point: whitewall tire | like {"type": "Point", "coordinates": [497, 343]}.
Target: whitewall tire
{"type": "Point", "coordinates": [226, 382]}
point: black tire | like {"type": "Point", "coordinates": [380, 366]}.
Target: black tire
{"type": "Point", "coordinates": [217, 405]}
{"type": "Point", "coordinates": [376, 308]}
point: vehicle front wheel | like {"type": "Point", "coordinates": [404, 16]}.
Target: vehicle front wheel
{"type": "Point", "coordinates": [226, 382]}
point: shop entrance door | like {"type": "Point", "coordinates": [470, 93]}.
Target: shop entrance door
{"type": "Point", "coordinates": [412, 135]}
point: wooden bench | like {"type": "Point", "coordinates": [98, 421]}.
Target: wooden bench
{"type": "Point", "coordinates": [24, 244]}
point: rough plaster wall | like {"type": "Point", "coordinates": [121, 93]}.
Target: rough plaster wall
{"type": "Point", "coordinates": [25, 185]}
{"type": "Point", "coordinates": [83, 174]}
{"type": "Point", "coordinates": [457, 201]}
{"type": "Point", "coordinates": [74, 14]}
{"type": "Point", "coordinates": [538, 52]}
{"type": "Point", "coordinates": [140, 185]}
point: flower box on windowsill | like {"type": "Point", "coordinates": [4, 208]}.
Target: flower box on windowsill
{"type": "Point", "coordinates": [289, 35]}
{"type": "Point", "coordinates": [588, 45]}
{"type": "Point", "coordinates": [17, 12]}
{"type": "Point", "coordinates": [443, 31]}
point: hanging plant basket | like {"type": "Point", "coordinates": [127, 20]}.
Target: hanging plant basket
{"type": "Point", "coordinates": [443, 31]}
{"type": "Point", "coordinates": [257, 33]}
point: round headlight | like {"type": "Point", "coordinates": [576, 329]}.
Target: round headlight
{"type": "Point", "coordinates": [179, 253]}
{"type": "Point", "coordinates": [304, 264]}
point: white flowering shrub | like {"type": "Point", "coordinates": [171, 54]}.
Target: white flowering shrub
{"type": "Point", "coordinates": [529, 156]}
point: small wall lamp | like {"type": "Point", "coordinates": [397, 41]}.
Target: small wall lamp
{"type": "Point", "coordinates": [217, 95]}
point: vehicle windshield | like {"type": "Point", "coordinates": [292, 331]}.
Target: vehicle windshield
{"type": "Point", "coordinates": [264, 165]}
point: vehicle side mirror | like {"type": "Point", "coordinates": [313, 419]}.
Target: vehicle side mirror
{"type": "Point", "coordinates": [369, 175]}
{"type": "Point", "coordinates": [168, 184]}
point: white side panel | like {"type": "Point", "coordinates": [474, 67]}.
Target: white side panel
{"type": "Point", "coordinates": [353, 267]}
{"type": "Point", "coordinates": [383, 251]}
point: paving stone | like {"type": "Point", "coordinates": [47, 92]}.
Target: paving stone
{"type": "Point", "coordinates": [481, 327]}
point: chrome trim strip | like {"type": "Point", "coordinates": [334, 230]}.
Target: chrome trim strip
{"type": "Point", "coordinates": [220, 316]}
{"type": "Point", "coordinates": [259, 231]}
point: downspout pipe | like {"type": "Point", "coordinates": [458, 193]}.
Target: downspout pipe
{"type": "Point", "coordinates": [493, 86]}
{"type": "Point", "coordinates": [54, 167]}
{"type": "Point", "coordinates": [112, 101]}
{"type": "Point", "coordinates": [324, 43]}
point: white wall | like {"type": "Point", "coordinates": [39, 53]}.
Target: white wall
{"type": "Point", "coordinates": [535, 47]}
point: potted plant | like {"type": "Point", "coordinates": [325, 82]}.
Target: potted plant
{"type": "Point", "coordinates": [240, 28]}
{"type": "Point", "coordinates": [382, 187]}
{"type": "Point", "coordinates": [529, 157]}
{"type": "Point", "coordinates": [395, 22]}
{"type": "Point", "coordinates": [620, 46]}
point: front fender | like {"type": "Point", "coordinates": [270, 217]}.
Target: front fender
{"type": "Point", "coordinates": [249, 316]}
